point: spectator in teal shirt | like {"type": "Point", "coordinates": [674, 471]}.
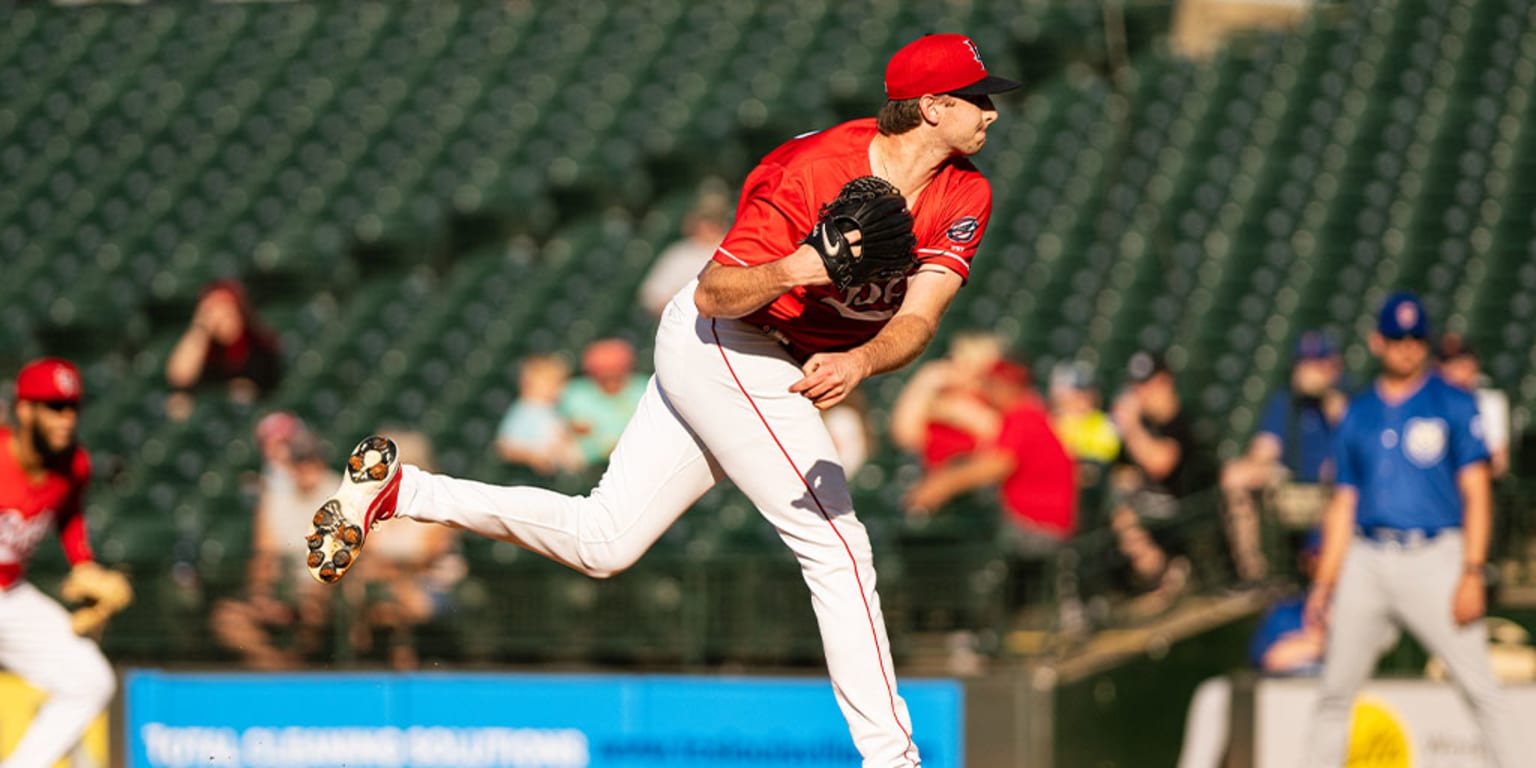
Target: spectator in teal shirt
{"type": "Point", "coordinates": [599, 404]}
{"type": "Point", "coordinates": [533, 432]}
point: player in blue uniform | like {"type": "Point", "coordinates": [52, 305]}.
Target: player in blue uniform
{"type": "Point", "coordinates": [1406, 536]}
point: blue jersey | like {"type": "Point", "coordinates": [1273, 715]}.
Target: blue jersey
{"type": "Point", "coordinates": [1306, 437]}
{"type": "Point", "coordinates": [1403, 459]}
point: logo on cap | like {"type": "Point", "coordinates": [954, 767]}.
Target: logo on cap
{"type": "Point", "coordinates": [1407, 315]}
{"type": "Point", "coordinates": [975, 52]}
{"type": "Point", "coordinates": [65, 380]}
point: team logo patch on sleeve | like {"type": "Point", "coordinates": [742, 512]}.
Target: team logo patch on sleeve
{"type": "Point", "coordinates": [963, 230]}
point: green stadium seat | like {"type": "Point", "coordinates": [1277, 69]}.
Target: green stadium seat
{"type": "Point", "coordinates": [337, 159]}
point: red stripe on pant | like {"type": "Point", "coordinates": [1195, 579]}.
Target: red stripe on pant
{"type": "Point", "coordinates": [868, 614]}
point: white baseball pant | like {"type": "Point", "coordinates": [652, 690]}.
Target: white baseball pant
{"type": "Point", "coordinates": [37, 643]}
{"type": "Point", "coordinates": [1208, 725]}
{"type": "Point", "coordinates": [719, 405]}
{"type": "Point", "coordinates": [1385, 586]}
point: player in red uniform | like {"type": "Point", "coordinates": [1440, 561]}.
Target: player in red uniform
{"type": "Point", "coordinates": [43, 474]}
{"type": "Point", "coordinates": [745, 357]}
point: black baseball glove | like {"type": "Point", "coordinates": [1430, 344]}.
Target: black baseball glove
{"type": "Point", "coordinates": [878, 212]}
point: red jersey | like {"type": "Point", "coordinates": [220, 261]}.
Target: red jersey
{"type": "Point", "coordinates": [942, 442]}
{"type": "Point", "coordinates": [1042, 491]}
{"type": "Point", "coordinates": [781, 200]}
{"type": "Point", "coordinates": [29, 509]}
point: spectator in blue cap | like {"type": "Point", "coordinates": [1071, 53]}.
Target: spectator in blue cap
{"type": "Point", "coordinates": [1293, 444]}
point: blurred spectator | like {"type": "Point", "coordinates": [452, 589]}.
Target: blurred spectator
{"type": "Point", "coordinates": [1158, 437]}
{"type": "Point", "coordinates": [283, 616]}
{"type": "Point", "coordinates": [411, 568]}
{"type": "Point", "coordinates": [533, 433]}
{"type": "Point", "coordinates": [942, 410]}
{"type": "Point", "coordinates": [1294, 443]}
{"type": "Point", "coordinates": [1458, 363]}
{"type": "Point", "coordinates": [225, 344]}
{"type": "Point", "coordinates": [703, 228]}
{"type": "Point", "coordinates": [598, 405]}
{"type": "Point", "coordinates": [1023, 455]}
{"type": "Point", "coordinates": [1283, 646]}
{"type": "Point", "coordinates": [1295, 434]}
{"type": "Point", "coordinates": [280, 597]}
{"type": "Point", "coordinates": [275, 433]}
{"type": "Point", "coordinates": [1085, 430]}
{"type": "Point", "coordinates": [848, 425]}
{"type": "Point", "coordinates": [1162, 462]}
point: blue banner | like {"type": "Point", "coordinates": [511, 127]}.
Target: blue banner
{"type": "Point", "coordinates": [430, 720]}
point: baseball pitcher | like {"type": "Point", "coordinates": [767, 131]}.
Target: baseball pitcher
{"type": "Point", "coordinates": [847, 248]}
{"type": "Point", "coordinates": [43, 473]}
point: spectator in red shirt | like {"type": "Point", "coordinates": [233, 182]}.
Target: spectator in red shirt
{"type": "Point", "coordinates": [941, 411]}
{"type": "Point", "coordinates": [1024, 458]}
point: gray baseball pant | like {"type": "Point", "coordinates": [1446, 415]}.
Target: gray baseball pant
{"type": "Point", "coordinates": [1386, 585]}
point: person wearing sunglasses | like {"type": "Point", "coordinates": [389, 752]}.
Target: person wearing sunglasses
{"type": "Point", "coordinates": [43, 474]}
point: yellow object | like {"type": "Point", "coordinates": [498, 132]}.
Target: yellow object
{"type": "Point", "coordinates": [19, 702]}
{"type": "Point", "coordinates": [1377, 738]}
{"type": "Point", "coordinates": [1088, 436]}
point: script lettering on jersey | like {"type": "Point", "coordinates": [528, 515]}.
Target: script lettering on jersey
{"type": "Point", "coordinates": [871, 302]}
{"type": "Point", "coordinates": [20, 535]}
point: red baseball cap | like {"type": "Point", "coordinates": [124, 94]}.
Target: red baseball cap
{"type": "Point", "coordinates": [278, 425]}
{"type": "Point", "coordinates": [1009, 372]}
{"type": "Point", "coordinates": [939, 64]}
{"type": "Point", "coordinates": [49, 379]}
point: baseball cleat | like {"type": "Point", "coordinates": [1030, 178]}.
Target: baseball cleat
{"type": "Point", "coordinates": [370, 486]}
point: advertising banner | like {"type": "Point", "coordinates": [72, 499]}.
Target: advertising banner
{"type": "Point", "coordinates": [1397, 724]}
{"type": "Point", "coordinates": [509, 721]}
{"type": "Point", "coordinates": [19, 702]}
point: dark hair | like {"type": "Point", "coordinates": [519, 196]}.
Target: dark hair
{"type": "Point", "coordinates": [256, 355]}
{"type": "Point", "coordinates": [1454, 345]}
{"type": "Point", "coordinates": [898, 117]}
